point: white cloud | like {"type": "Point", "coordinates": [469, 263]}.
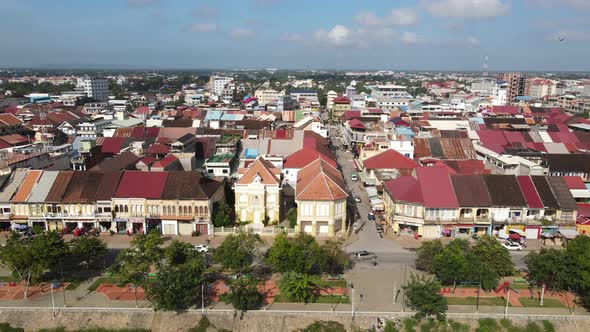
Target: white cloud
{"type": "Point", "coordinates": [338, 36]}
{"type": "Point", "coordinates": [573, 35]}
{"type": "Point", "coordinates": [411, 38]}
{"type": "Point", "coordinates": [400, 16]}
{"type": "Point", "coordinates": [242, 33]}
{"type": "Point", "coordinates": [363, 37]}
{"type": "Point", "coordinates": [202, 27]}
{"type": "Point", "coordinates": [466, 9]}
{"type": "Point", "coordinates": [292, 37]}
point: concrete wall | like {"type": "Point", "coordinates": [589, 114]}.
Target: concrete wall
{"type": "Point", "coordinates": [32, 319]}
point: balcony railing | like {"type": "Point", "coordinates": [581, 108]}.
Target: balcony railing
{"type": "Point", "coordinates": [69, 216]}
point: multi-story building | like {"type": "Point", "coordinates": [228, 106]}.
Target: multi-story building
{"type": "Point", "coordinates": [540, 87]}
{"type": "Point", "coordinates": [389, 91]}
{"type": "Point", "coordinates": [93, 128]}
{"type": "Point", "coordinates": [321, 200]}
{"type": "Point", "coordinates": [218, 83]}
{"type": "Point", "coordinates": [516, 85]}
{"type": "Point", "coordinates": [500, 93]}
{"type": "Point", "coordinates": [266, 96]}
{"type": "Point", "coordinates": [258, 194]}
{"type": "Point", "coordinates": [330, 96]}
{"type": "Point", "coordinates": [95, 87]}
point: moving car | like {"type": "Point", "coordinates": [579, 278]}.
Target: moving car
{"type": "Point", "coordinates": [357, 199]}
{"type": "Point", "coordinates": [363, 255]}
{"type": "Point", "coordinates": [201, 248]}
{"type": "Point", "coordinates": [511, 245]}
{"type": "Point", "coordinates": [379, 227]}
{"type": "Point", "coordinates": [371, 216]}
{"type": "Point", "coordinates": [354, 177]}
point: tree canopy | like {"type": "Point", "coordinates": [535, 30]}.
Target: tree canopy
{"type": "Point", "coordinates": [422, 295]}
{"type": "Point", "coordinates": [425, 255]}
{"type": "Point", "coordinates": [300, 287]}
{"type": "Point", "coordinates": [89, 251]}
{"type": "Point", "coordinates": [301, 254]}
{"type": "Point", "coordinates": [244, 294]}
{"type": "Point", "coordinates": [237, 252]}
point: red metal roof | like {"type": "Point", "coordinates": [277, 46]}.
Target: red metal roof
{"type": "Point", "coordinates": [505, 109]}
{"type": "Point", "coordinates": [112, 144]}
{"type": "Point", "coordinates": [166, 161]}
{"type": "Point", "coordinates": [356, 124]}
{"type": "Point", "coordinates": [493, 140]}
{"type": "Point", "coordinates": [305, 157]}
{"type": "Point", "coordinates": [574, 182]}
{"type": "Point", "coordinates": [352, 114]}
{"type": "Point", "coordinates": [529, 192]}
{"type": "Point", "coordinates": [145, 132]}
{"type": "Point", "coordinates": [390, 159]}
{"type": "Point", "coordinates": [436, 187]}
{"type": "Point", "coordinates": [138, 184]}
{"type": "Point", "coordinates": [405, 188]}
{"type": "Point", "coordinates": [158, 149]}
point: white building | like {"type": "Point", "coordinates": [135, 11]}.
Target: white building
{"type": "Point", "coordinates": [500, 94]}
{"type": "Point", "coordinates": [330, 96]}
{"type": "Point", "coordinates": [539, 88]}
{"type": "Point", "coordinates": [218, 83]}
{"type": "Point", "coordinates": [95, 87]}
{"type": "Point", "coordinates": [266, 96]}
{"type": "Point", "coordinates": [390, 91]}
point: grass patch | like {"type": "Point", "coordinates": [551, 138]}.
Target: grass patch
{"type": "Point", "coordinates": [321, 299]}
{"type": "Point", "coordinates": [549, 303]}
{"type": "Point", "coordinates": [102, 280]}
{"type": "Point", "coordinates": [336, 283]}
{"type": "Point", "coordinates": [491, 301]}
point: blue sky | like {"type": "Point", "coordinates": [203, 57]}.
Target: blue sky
{"type": "Point", "coordinates": [325, 34]}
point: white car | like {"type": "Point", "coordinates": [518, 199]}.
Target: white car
{"type": "Point", "coordinates": [201, 248]}
{"type": "Point", "coordinates": [512, 246]}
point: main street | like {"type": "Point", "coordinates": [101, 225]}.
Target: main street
{"type": "Point", "coordinates": [391, 253]}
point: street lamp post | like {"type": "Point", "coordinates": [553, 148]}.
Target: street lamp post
{"type": "Point", "coordinates": [52, 300]}
{"type": "Point", "coordinates": [352, 307]}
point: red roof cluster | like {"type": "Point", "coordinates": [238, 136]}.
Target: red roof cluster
{"type": "Point", "coordinates": [138, 184]}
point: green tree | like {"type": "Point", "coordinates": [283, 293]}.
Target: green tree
{"type": "Point", "coordinates": [29, 258]}
{"type": "Point", "coordinates": [292, 217]}
{"type": "Point", "coordinates": [487, 249]}
{"type": "Point", "coordinates": [180, 275]}
{"type": "Point", "coordinates": [221, 215]}
{"type": "Point", "coordinates": [425, 255]}
{"type": "Point", "coordinates": [150, 245]}
{"type": "Point", "coordinates": [451, 264]}
{"type": "Point", "coordinates": [244, 294]}
{"type": "Point", "coordinates": [300, 287]}
{"type": "Point", "coordinates": [336, 259]}
{"type": "Point", "coordinates": [551, 268]}
{"type": "Point", "coordinates": [88, 250]}
{"type": "Point", "coordinates": [578, 255]}
{"type": "Point", "coordinates": [422, 295]}
{"type": "Point", "coordinates": [237, 252]}
{"type": "Point", "coordinates": [301, 254]}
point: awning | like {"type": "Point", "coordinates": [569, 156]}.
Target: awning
{"type": "Point", "coordinates": [517, 231]}
{"type": "Point", "coordinates": [568, 233]}
{"type": "Point", "coordinates": [371, 192]}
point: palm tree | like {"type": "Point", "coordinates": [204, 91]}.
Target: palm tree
{"type": "Point", "coordinates": [300, 287]}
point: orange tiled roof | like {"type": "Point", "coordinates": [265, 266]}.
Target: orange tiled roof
{"type": "Point", "coordinates": [25, 188]}
{"type": "Point", "coordinates": [268, 173]}
{"type": "Point", "coordinates": [320, 181]}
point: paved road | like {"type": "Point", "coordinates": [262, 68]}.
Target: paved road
{"type": "Point", "coordinates": [390, 253]}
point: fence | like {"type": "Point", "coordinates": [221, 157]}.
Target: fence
{"type": "Point", "coordinates": [274, 230]}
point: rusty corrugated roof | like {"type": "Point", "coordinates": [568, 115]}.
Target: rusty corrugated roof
{"type": "Point", "coordinates": [59, 187]}
{"type": "Point", "coordinates": [25, 187]}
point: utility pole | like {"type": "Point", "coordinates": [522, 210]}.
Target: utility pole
{"type": "Point", "coordinates": [352, 307]}
{"type": "Point", "coordinates": [404, 296]}
{"type": "Point", "coordinates": [478, 290]}
{"type": "Point", "coordinates": [542, 293]}
{"type": "Point", "coordinates": [52, 300]}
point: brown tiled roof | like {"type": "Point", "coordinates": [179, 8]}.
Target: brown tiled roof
{"type": "Point", "coordinates": [82, 187]}
{"type": "Point", "coordinates": [268, 173]}
{"type": "Point", "coordinates": [471, 190]}
{"type": "Point", "coordinates": [125, 160]}
{"type": "Point", "coordinates": [320, 181]}
{"type": "Point", "coordinates": [545, 192]}
{"type": "Point", "coordinates": [188, 185]}
{"type": "Point", "coordinates": [562, 193]}
{"type": "Point", "coordinates": [504, 190]}
{"type": "Point", "coordinates": [108, 185]}
{"type": "Point", "coordinates": [60, 185]}
{"type": "Point", "coordinates": [569, 163]}
{"type": "Point", "coordinates": [25, 188]}
{"type": "Point", "coordinates": [8, 119]}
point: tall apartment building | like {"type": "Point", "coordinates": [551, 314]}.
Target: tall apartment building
{"type": "Point", "coordinates": [94, 87]}
{"type": "Point", "coordinates": [516, 85]}
{"type": "Point", "coordinates": [540, 87]}
{"type": "Point", "coordinates": [218, 83]}
{"type": "Point", "coordinates": [389, 91]}
{"type": "Point", "coordinates": [266, 96]}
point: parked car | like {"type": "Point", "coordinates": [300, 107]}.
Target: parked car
{"type": "Point", "coordinates": [363, 255]}
{"type": "Point", "coordinates": [371, 216]}
{"type": "Point", "coordinates": [357, 199]}
{"type": "Point", "coordinates": [202, 248]}
{"type": "Point", "coordinates": [512, 246]}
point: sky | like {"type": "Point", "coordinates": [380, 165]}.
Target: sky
{"type": "Point", "coordinates": [297, 34]}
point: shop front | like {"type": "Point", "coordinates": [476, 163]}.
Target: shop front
{"type": "Point", "coordinates": [169, 227]}
{"type": "Point", "coordinates": [120, 225]}
{"type": "Point", "coordinates": [136, 225]}
{"type": "Point", "coordinates": [483, 228]}
{"type": "Point", "coordinates": [154, 223]}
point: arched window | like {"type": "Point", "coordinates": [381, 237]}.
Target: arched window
{"type": "Point", "coordinates": [126, 208]}
{"type": "Point", "coordinates": [206, 209]}
{"type": "Point", "coordinates": [200, 210]}
{"type": "Point", "coordinates": [117, 208]}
